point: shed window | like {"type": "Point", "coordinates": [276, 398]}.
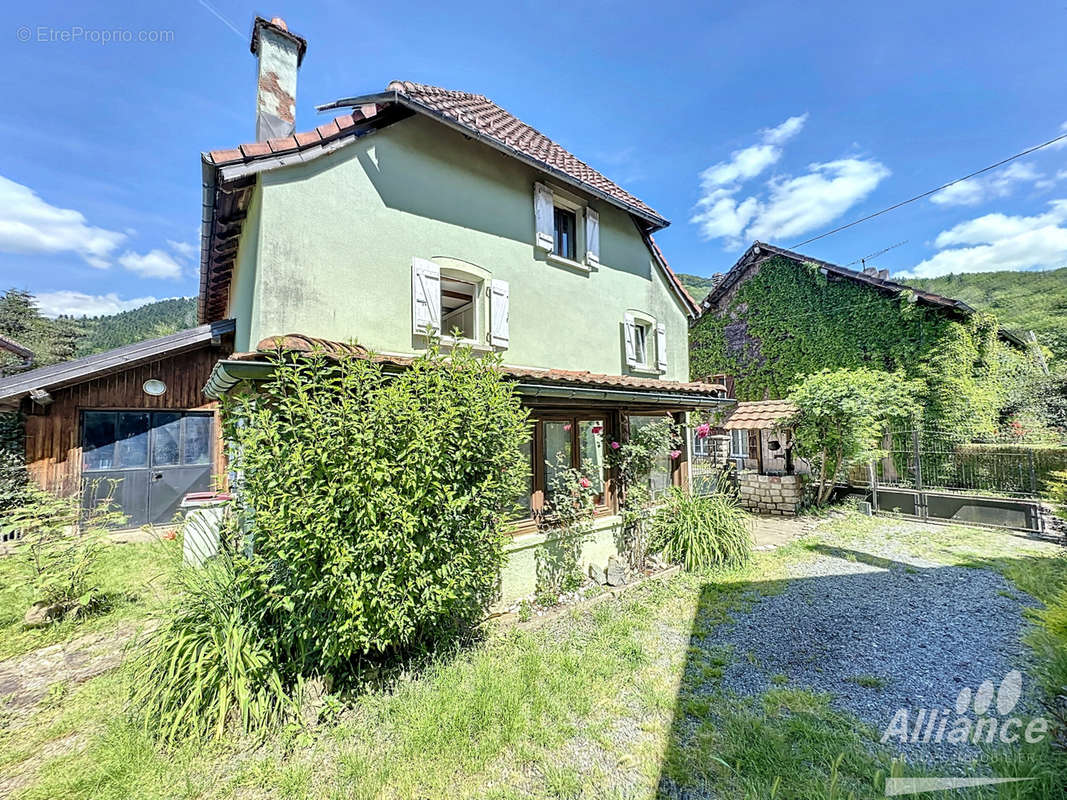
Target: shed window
{"type": "Point", "coordinates": [738, 444]}
{"type": "Point", "coordinates": [565, 226]}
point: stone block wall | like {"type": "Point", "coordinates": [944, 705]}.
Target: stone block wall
{"type": "Point", "coordinates": [771, 494]}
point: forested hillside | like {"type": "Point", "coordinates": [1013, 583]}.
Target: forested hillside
{"type": "Point", "coordinates": [1022, 301]}
{"type": "Point", "coordinates": [55, 340]}
{"type": "Point", "coordinates": [126, 327]}
{"type": "Point", "coordinates": [697, 286]}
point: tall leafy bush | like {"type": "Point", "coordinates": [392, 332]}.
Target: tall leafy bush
{"type": "Point", "coordinates": [842, 416]}
{"type": "Point", "coordinates": [376, 502]}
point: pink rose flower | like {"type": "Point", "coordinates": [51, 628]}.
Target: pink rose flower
{"type": "Point", "coordinates": [567, 426]}
{"type": "Point", "coordinates": [675, 453]}
{"type": "Point", "coordinates": [584, 482]}
{"type": "Point", "coordinates": [703, 430]}
{"type": "Point", "coordinates": [598, 429]}
{"type": "Point", "coordinates": [614, 445]}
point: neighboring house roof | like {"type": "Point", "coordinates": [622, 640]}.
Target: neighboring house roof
{"type": "Point", "coordinates": [43, 379]}
{"type": "Point", "coordinates": [562, 378]}
{"type": "Point", "coordinates": [758, 415]}
{"type": "Point", "coordinates": [761, 251]}
{"type": "Point", "coordinates": [229, 175]}
{"type": "Point", "coordinates": [14, 347]}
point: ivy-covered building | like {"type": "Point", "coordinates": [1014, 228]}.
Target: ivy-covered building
{"type": "Point", "coordinates": [778, 315]}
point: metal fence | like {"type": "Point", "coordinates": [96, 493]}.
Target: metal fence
{"type": "Point", "coordinates": [926, 460]}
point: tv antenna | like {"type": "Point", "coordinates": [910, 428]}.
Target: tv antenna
{"type": "Point", "coordinates": [883, 251]}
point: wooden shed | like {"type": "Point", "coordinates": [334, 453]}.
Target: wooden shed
{"type": "Point", "coordinates": [133, 422]}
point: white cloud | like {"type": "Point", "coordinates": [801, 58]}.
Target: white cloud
{"type": "Point", "coordinates": [1000, 242]}
{"type": "Point", "coordinates": [791, 205]}
{"type": "Point", "coordinates": [30, 225]}
{"type": "Point", "coordinates": [798, 205]}
{"type": "Point", "coordinates": [999, 183]}
{"type": "Point", "coordinates": [153, 264]}
{"type": "Point", "coordinates": [750, 161]}
{"type": "Point", "coordinates": [183, 249]}
{"type": "Point", "coordinates": [78, 304]}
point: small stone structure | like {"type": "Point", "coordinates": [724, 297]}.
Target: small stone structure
{"type": "Point", "coordinates": [771, 494]}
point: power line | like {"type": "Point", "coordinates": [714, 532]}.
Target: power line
{"type": "Point", "coordinates": [895, 206]}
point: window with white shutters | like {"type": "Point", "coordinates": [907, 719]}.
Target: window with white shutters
{"type": "Point", "coordinates": [592, 237]}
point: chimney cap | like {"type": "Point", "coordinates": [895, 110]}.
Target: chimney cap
{"type": "Point", "coordinates": [277, 25]}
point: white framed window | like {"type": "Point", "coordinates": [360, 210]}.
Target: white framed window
{"type": "Point", "coordinates": [567, 229]}
{"type": "Point", "coordinates": [645, 341]}
{"type": "Point", "coordinates": [701, 446]}
{"type": "Point", "coordinates": [738, 444]}
{"type": "Point", "coordinates": [459, 304]}
{"type": "Point", "coordinates": [640, 344]}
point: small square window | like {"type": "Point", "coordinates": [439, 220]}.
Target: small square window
{"type": "Point", "coordinates": [739, 444]}
{"type": "Point", "coordinates": [566, 225]}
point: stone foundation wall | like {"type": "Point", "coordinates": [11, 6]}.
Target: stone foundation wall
{"type": "Point", "coordinates": [771, 494]}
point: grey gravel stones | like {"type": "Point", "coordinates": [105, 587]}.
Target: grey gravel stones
{"type": "Point", "coordinates": [879, 636]}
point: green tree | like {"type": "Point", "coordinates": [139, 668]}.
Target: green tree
{"type": "Point", "coordinates": [842, 416]}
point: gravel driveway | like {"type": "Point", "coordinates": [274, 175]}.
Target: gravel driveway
{"type": "Point", "coordinates": [880, 637]}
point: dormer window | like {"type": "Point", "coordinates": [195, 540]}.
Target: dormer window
{"type": "Point", "coordinates": [564, 232]}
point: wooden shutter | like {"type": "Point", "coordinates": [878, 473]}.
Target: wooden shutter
{"type": "Point", "coordinates": [498, 310]}
{"type": "Point", "coordinates": [630, 336]}
{"type": "Point", "coordinates": [425, 295]}
{"type": "Point", "coordinates": [753, 444]}
{"type": "Point", "coordinates": [592, 237]}
{"type": "Point", "coordinates": [661, 347]}
{"type": "Point", "coordinates": [544, 216]}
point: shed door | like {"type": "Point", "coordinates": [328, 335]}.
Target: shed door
{"type": "Point", "coordinates": [146, 460]}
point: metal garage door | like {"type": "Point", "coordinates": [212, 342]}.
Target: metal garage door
{"type": "Point", "coordinates": [147, 460]}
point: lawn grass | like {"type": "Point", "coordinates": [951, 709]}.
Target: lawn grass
{"type": "Point", "coordinates": [608, 701]}
{"type": "Point", "coordinates": [132, 578]}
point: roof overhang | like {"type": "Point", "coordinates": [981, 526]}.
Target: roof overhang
{"type": "Point", "coordinates": [231, 373]}
{"type": "Point", "coordinates": [40, 381]}
{"type": "Point", "coordinates": [532, 383]}
{"type": "Point", "coordinates": [654, 221]}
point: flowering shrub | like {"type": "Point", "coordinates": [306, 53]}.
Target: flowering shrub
{"type": "Point", "coordinates": [569, 511]}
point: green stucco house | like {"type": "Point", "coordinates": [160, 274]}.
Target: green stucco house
{"type": "Point", "coordinates": [421, 207]}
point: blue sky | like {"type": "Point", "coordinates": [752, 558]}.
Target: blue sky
{"type": "Point", "coordinates": [737, 121]}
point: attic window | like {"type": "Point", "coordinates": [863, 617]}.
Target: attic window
{"type": "Point", "coordinates": [459, 307]}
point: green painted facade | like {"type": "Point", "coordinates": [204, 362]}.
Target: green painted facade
{"type": "Point", "coordinates": [327, 247]}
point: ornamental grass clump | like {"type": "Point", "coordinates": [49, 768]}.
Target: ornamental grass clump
{"type": "Point", "coordinates": [207, 669]}
{"type": "Point", "coordinates": [701, 532]}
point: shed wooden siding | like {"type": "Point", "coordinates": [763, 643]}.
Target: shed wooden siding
{"type": "Point", "coordinates": [53, 435]}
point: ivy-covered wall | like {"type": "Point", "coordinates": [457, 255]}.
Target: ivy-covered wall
{"type": "Point", "coordinates": [785, 320]}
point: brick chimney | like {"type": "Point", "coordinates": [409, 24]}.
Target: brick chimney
{"type": "Point", "coordinates": [280, 54]}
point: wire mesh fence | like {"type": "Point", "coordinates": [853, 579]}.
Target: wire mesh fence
{"type": "Point", "coordinates": [932, 460]}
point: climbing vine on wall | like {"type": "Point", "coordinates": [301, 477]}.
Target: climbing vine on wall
{"type": "Point", "coordinates": [788, 321]}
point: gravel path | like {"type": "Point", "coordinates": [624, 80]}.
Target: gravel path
{"type": "Point", "coordinates": [923, 630]}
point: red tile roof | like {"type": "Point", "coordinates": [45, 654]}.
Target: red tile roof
{"type": "Point", "coordinates": [299, 343]}
{"type": "Point", "coordinates": [759, 414]}
{"type": "Point", "coordinates": [482, 116]}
